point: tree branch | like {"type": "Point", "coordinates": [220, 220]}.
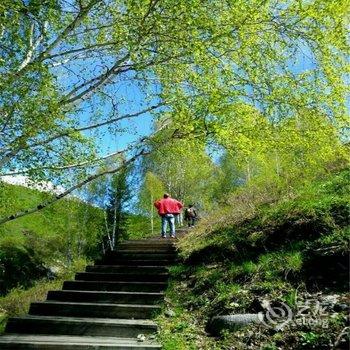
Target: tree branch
{"type": "Point", "coordinates": [32, 45]}
{"type": "Point", "coordinates": [142, 152]}
{"type": "Point", "coordinates": [81, 164]}
{"type": "Point", "coordinates": [100, 80]}
{"type": "Point", "coordinates": [75, 23]}
{"type": "Point", "coordinates": [71, 189]}
{"type": "Point", "coordinates": [86, 48]}
{"type": "Point", "coordinates": [77, 20]}
{"type": "Point", "coordinates": [69, 132]}
{"type": "Point", "coordinates": [65, 167]}
{"type": "Point", "coordinates": [30, 48]}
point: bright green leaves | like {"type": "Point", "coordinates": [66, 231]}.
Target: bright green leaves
{"type": "Point", "coordinates": [231, 73]}
{"type": "Point", "coordinates": [182, 168]}
{"type": "Point", "coordinates": [245, 51]}
{"type": "Point", "coordinates": [152, 189]}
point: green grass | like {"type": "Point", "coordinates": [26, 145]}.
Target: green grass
{"type": "Point", "coordinates": [318, 209]}
{"type": "Point", "coordinates": [50, 238]}
{"type": "Point", "coordinates": [139, 227]}
{"type": "Point", "coordinates": [17, 301]}
{"type": "Point", "coordinates": [234, 261]}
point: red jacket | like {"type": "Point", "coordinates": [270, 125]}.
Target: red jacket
{"type": "Point", "coordinates": [168, 206]}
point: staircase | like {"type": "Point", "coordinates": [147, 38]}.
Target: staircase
{"type": "Point", "coordinates": [105, 307]}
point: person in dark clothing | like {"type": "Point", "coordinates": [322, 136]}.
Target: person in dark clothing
{"type": "Point", "coordinates": [191, 215]}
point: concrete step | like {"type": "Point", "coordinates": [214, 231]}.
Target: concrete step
{"type": "Point", "coordinates": [105, 297]}
{"type": "Point", "coordinates": [108, 276]}
{"type": "Point", "coordinates": [80, 326]}
{"type": "Point", "coordinates": [133, 262]}
{"type": "Point", "coordinates": [64, 342]}
{"type": "Point", "coordinates": [73, 309]}
{"type": "Point", "coordinates": [128, 286]}
{"type": "Point", "coordinates": [127, 269]}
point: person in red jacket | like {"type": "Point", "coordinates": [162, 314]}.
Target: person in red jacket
{"type": "Point", "coordinates": [167, 209]}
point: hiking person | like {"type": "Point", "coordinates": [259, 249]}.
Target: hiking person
{"type": "Point", "coordinates": [191, 215]}
{"type": "Point", "coordinates": [167, 209]}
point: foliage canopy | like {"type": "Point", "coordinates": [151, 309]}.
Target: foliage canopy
{"type": "Point", "coordinates": [227, 72]}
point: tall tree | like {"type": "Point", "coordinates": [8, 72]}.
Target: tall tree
{"type": "Point", "coordinates": [195, 62]}
{"type": "Point", "coordinates": [185, 170]}
{"type": "Point", "coordinates": [228, 177]}
{"type": "Point", "coordinates": [152, 189]}
{"type": "Point", "coordinates": [119, 195]}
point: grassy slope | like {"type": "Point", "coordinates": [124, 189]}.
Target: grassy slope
{"type": "Point", "coordinates": [293, 250]}
{"type": "Point", "coordinates": [52, 223]}
{"type": "Point", "coordinates": [139, 227]}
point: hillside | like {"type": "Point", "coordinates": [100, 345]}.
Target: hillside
{"type": "Point", "coordinates": [38, 252]}
{"type": "Point", "coordinates": [261, 252]}
{"type": "Point", "coordinates": [36, 246]}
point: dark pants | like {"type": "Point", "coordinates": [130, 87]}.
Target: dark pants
{"type": "Point", "coordinates": [191, 221]}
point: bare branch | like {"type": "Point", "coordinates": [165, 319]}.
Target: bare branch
{"type": "Point", "coordinates": [59, 63]}
{"type": "Point", "coordinates": [86, 48]}
{"type": "Point", "coordinates": [69, 132]}
{"type": "Point", "coordinates": [56, 198]}
{"type": "Point", "coordinates": [97, 82]}
{"type": "Point", "coordinates": [93, 29]}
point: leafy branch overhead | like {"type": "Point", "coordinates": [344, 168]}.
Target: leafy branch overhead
{"type": "Point", "coordinates": [228, 70]}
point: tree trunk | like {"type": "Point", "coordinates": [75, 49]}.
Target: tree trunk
{"type": "Point", "coordinates": [278, 169]}
{"type": "Point", "coordinates": [114, 223]}
{"type": "Point", "coordinates": [152, 215]}
{"type": "Point", "coordinates": [107, 232]}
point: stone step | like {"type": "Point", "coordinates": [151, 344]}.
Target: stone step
{"type": "Point", "coordinates": [105, 297]}
{"type": "Point", "coordinates": [65, 342]}
{"type": "Point", "coordinates": [140, 255]}
{"type": "Point", "coordinates": [73, 309]}
{"type": "Point", "coordinates": [131, 262]}
{"type": "Point", "coordinates": [115, 286]}
{"type": "Point", "coordinates": [153, 240]}
{"type": "Point", "coordinates": [127, 269]}
{"type": "Point", "coordinates": [109, 276]}
{"type": "Point", "coordinates": [106, 307]}
{"type": "Point", "coordinates": [80, 326]}
{"type": "Point", "coordinates": [155, 243]}
{"type": "Point", "coordinates": [146, 247]}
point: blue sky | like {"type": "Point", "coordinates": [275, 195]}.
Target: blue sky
{"type": "Point", "coordinates": [129, 98]}
{"type": "Point", "coordinates": [135, 100]}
